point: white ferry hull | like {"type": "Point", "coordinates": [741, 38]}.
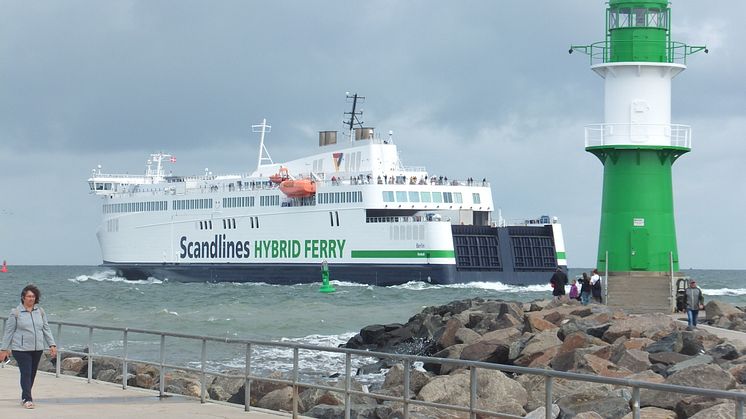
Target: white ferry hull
{"type": "Point", "coordinates": [354, 206]}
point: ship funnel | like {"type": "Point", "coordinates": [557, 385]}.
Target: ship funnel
{"type": "Point", "coordinates": [365, 133]}
{"type": "Point", "coordinates": [327, 138]}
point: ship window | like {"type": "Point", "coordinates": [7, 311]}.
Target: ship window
{"type": "Point", "coordinates": [331, 219]}
{"type": "Point", "coordinates": [457, 197]}
{"type": "Point", "coordinates": [414, 197]}
{"type": "Point", "coordinates": [388, 196]}
{"type": "Point", "coordinates": [336, 216]}
{"type": "Point", "coordinates": [90, 184]}
{"type": "Point", "coordinates": [425, 196]}
{"type": "Point", "coordinates": [349, 196]}
{"type": "Point", "coordinates": [437, 197]}
{"type": "Point", "coordinates": [447, 197]}
{"type": "Point", "coordinates": [360, 196]}
{"type": "Point", "coordinates": [210, 224]}
{"type": "Point", "coordinates": [476, 198]}
{"type": "Point", "coordinates": [401, 196]}
{"type": "Point", "coordinates": [257, 222]}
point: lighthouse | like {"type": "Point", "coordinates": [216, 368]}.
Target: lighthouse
{"type": "Point", "coordinates": [638, 144]}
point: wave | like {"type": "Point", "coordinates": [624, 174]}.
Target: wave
{"type": "Point", "coordinates": [111, 276]}
{"type": "Point", "coordinates": [492, 286]}
{"type": "Point", "coordinates": [724, 291]}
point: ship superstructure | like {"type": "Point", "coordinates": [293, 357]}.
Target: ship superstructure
{"type": "Point", "coordinates": [352, 203]}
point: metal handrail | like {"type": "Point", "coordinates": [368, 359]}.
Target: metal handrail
{"type": "Point", "coordinates": [407, 360]}
{"type": "Point", "coordinates": [674, 135]}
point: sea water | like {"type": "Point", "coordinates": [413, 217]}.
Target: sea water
{"type": "Point", "coordinates": [93, 295]}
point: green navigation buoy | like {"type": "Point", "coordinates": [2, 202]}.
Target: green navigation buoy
{"type": "Point", "coordinates": [326, 287]}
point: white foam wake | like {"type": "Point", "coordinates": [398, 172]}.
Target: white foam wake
{"type": "Point", "coordinates": [111, 276]}
{"type": "Point", "coordinates": [724, 291]}
{"type": "Point", "coordinates": [492, 286]}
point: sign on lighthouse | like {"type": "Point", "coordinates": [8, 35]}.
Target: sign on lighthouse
{"type": "Point", "coordinates": [637, 144]}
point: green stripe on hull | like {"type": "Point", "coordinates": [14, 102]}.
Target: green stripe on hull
{"type": "Point", "coordinates": [561, 255]}
{"type": "Point", "coordinates": [413, 254]}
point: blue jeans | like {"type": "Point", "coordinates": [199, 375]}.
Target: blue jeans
{"type": "Point", "coordinates": [585, 298]}
{"type": "Point", "coordinates": [28, 363]}
{"type": "Point", "coordinates": [691, 316]}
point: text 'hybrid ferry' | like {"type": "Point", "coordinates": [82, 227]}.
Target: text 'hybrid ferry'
{"type": "Point", "coordinates": [352, 203]}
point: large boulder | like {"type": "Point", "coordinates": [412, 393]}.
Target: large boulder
{"type": "Point", "coordinates": [673, 342]}
{"type": "Point", "coordinates": [535, 387]}
{"type": "Point", "coordinates": [455, 389]}
{"type": "Point", "coordinates": [279, 400]}
{"type": "Point", "coordinates": [721, 411]}
{"type": "Point", "coordinates": [539, 343]}
{"type": "Point", "coordinates": [417, 378]}
{"type": "Point", "coordinates": [183, 382]}
{"type": "Point", "coordinates": [607, 405]}
{"type": "Point", "coordinates": [703, 376]}
{"type": "Point", "coordinates": [653, 413]}
{"type": "Point", "coordinates": [494, 351]}
{"type": "Point", "coordinates": [451, 352]}
{"type": "Point", "coordinates": [715, 309]}
{"type": "Point", "coordinates": [653, 326]}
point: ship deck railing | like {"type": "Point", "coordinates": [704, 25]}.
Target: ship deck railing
{"type": "Point", "coordinates": [407, 219]}
{"type": "Point", "coordinates": [211, 185]}
{"type": "Point", "coordinates": [291, 375]}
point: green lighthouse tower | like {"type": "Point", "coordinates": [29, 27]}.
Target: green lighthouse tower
{"type": "Point", "coordinates": [638, 144]}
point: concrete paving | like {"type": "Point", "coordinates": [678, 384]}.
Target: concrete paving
{"type": "Point", "coordinates": [717, 331]}
{"type": "Point", "coordinates": [74, 397]}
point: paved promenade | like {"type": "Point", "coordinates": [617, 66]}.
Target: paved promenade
{"type": "Point", "coordinates": [73, 397]}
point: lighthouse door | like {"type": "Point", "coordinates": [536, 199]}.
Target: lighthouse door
{"type": "Point", "coordinates": [639, 249]}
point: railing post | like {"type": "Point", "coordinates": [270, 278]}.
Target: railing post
{"type": "Point", "coordinates": [203, 379]}
{"type": "Point", "coordinates": [125, 372]}
{"type": "Point", "coordinates": [5, 324]}
{"type": "Point", "coordinates": [635, 402]}
{"type": "Point", "coordinates": [90, 353]}
{"type": "Point", "coordinates": [348, 378]}
{"type": "Point", "coordinates": [405, 392]}
{"type": "Point", "coordinates": [295, 383]}
{"type": "Point", "coordinates": [548, 397]}
{"type": "Point", "coordinates": [58, 367]}
{"type": "Point", "coordinates": [472, 392]}
{"type": "Point", "coordinates": [739, 409]}
{"type": "Point", "coordinates": [606, 280]}
{"type": "Point", "coordinates": [162, 384]}
{"type": "Point", "coordinates": [247, 381]}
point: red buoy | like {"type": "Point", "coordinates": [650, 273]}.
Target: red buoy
{"type": "Point", "coordinates": [4, 268]}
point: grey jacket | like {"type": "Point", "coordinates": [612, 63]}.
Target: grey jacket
{"type": "Point", "coordinates": [27, 331]}
{"type": "Point", "coordinates": [694, 298]}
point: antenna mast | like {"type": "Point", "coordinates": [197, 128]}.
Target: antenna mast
{"type": "Point", "coordinates": [354, 114]}
{"type": "Point", "coordinates": [263, 128]}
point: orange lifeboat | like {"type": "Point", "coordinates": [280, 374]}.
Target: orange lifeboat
{"type": "Point", "coordinates": [299, 188]}
{"type": "Point", "coordinates": [280, 176]}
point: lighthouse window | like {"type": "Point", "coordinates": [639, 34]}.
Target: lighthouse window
{"type": "Point", "coordinates": [437, 197]}
{"type": "Point", "coordinates": [476, 198]}
{"type": "Point", "coordinates": [401, 196]}
{"type": "Point", "coordinates": [388, 196]}
{"type": "Point", "coordinates": [425, 196]}
{"type": "Point", "coordinates": [414, 197]}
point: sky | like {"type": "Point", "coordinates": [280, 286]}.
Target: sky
{"type": "Point", "coordinates": [477, 88]}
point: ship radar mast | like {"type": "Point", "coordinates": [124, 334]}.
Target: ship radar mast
{"type": "Point", "coordinates": [354, 120]}
{"type": "Point", "coordinates": [156, 158]}
{"type": "Point", "coordinates": [263, 128]}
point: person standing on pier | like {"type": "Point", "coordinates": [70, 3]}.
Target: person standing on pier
{"type": "Point", "coordinates": [695, 301]}
{"type": "Point", "coordinates": [26, 332]}
{"type": "Point", "coordinates": [558, 282]}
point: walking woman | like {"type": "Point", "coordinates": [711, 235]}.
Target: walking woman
{"type": "Point", "coordinates": [26, 333]}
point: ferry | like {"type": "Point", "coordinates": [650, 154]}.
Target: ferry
{"type": "Point", "coordinates": [352, 204]}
